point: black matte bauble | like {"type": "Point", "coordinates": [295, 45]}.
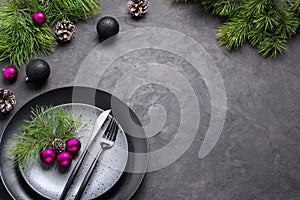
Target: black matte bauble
{"type": "Point", "coordinates": [37, 71]}
{"type": "Point", "coordinates": [107, 27]}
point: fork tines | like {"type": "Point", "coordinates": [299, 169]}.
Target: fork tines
{"type": "Point", "coordinates": [111, 131]}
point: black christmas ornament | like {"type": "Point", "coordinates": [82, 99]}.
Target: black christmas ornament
{"type": "Point", "coordinates": [37, 71]}
{"type": "Point", "coordinates": [107, 27]}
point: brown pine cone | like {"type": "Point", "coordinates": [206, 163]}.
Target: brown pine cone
{"type": "Point", "coordinates": [7, 100]}
{"type": "Point", "coordinates": [64, 31]}
{"type": "Point", "coordinates": [138, 8]}
{"type": "Point", "coordinates": [59, 145]}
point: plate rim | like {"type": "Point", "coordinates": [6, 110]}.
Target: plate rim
{"type": "Point", "coordinates": [72, 87]}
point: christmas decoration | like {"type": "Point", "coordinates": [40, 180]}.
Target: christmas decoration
{"type": "Point", "coordinates": [107, 27]}
{"type": "Point", "coordinates": [39, 18]}
{"type": "Point", "coordinates": [73, 145]}
{"type": "Point", "coordinates": [59, 145]}
{"type": "Point", "coordinates": [47, 156]}
{"type": "Point", "coordinates": [64, 31]}
{"type": "Point", "coordinates": [41, 132]}
{"type": "Point", "coordinates": [37, 71]}
{"type": "Point", "coordinates": [22, 40]}
{"type": "Point", "coordinates": [64, 159]}
{"type": "Point", "coordinates": [266, 24]}
{"type": "Point", "coordinates": [7, 100]}
{"type": "Point", "coordinates": [138, 8]}
{"type": "Point", "coordinates": [10, 73]}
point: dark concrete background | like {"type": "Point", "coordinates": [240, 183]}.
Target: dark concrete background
{"type": "Point", "coordinates": [257, 156]}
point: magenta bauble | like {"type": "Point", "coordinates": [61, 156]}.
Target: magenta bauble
{"type": "Point", "coordinates": [47, 156]}
{"type": "Point", "coordinates": [73, 145]}
{"type": "Point", "coordinates": [10, 73]}
{"type": "Point", "coordinates": [64, 159]}
{"type": "Point", "coordinates": [39, 18]}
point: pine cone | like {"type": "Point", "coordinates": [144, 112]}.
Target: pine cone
{"type": "Point", "coordinates": [138, 8]}
{"type": "Point", "coordinates": [7, 100]}
{"type": "Point", "coordinates": [59, 145]}
{"type": "Point", "coordinates": [64, 31]}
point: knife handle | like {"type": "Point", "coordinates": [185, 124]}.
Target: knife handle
{"type": "Point", "coordinates": [73, 174]}
{"type": "Point", "coordinates": [88, 176]}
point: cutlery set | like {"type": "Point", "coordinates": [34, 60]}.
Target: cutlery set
{"type": "Point", "coordinates": [107, 141]}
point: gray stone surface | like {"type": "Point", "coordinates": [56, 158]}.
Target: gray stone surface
{"type": "Point", "coordinates": [257, 154]}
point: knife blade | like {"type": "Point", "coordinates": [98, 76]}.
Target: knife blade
{"type": "Point", "coordinates": [98, 124]}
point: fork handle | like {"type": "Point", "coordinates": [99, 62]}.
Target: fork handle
{"type": "Point", "coordinates": [88, 176]}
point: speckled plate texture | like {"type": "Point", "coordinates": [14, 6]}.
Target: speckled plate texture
{"type": "Point", "coordinates": [49, 181]}
{"type": "Point", "coordinates": [111, 179]}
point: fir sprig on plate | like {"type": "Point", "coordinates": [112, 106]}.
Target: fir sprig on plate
{"type": "Point", "coordinates": [38, 133]}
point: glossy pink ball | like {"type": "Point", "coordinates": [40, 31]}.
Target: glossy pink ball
{"type": "Point", "coordinates": [73, 145]}
{"type": "Point", "coordinates": [47, 156]}
{"type": "Point", "coordinates": [39, 18]}
{"type": "Point", "coordinates": [10, 73]}
{"type": "Point", "coordinates": [64, 159]}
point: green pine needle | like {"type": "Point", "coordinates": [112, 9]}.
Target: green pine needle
{"type": "Point", "coordinates": [294, 5]}
{"type": "Point", "coordinates": [221, 7]}
{"type": "Point", "coordinates": [38, 133]}
{"type": "Point", "coordinates": [72, 10]}
{"type": "Point", "coordinates": [22, 40]}
{"type": "Point", "coordinates": [264, 23]}
{"type": "Point", "coordinates": [234, 33]}
{"type": "Point", "coordinates": [272, 45]}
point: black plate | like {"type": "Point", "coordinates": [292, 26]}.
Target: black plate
{"type": "Point", "coordinates": [137, 146]}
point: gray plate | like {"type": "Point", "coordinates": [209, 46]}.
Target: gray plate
{"type": "Point", "coordinates": [49, 181]}
{"type": "Point", "coordinates": [14, 187]}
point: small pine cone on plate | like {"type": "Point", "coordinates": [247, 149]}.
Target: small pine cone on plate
{"type": "Point", "coordinates": [7, 100]}
{"type": "Point", "coordinates": [138, 8]}
{"type": "Point", "coordinates": [64, 31]}
{"type": "Point", "coordinates": [59, 145]}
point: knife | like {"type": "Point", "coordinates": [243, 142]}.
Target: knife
{"type": "Point", "coordinates": [99, 123]}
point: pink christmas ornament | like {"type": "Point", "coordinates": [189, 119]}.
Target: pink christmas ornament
{"type": "Point", "coordinates": [64, 159]}
{"type": "Point", "coordinates": [73, 145]}
{"type": "Point", "coordinates": [39, 18]}
{"type": "Point", "coordinates": [10, 73]}
{"type": "Point", "coordinates": [47, 156]}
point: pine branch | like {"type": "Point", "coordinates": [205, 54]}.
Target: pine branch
{"type": "Point", "coordinates": [263, 23]}
{"type": "Point", "coordinates": [272, 45]}
{"type": "Point", "coordinates": [222, 7]}
{"type": "Point", "coordinates": [294, 5]}
{"type": "Point", "coordinates": [272, 26]}
{"type": "Point", "coordinates": [22, 40]}
{"type": "Point", "coordinates": [289, 22]}
{"type": "Point", "coordinates": [234, 33]}
{"type": "Point", "coordinates": [266, 24]}
{"type": "Point", "coordinates": [70, 10]}
{"type": "Point", "coordinates": [38, 133]}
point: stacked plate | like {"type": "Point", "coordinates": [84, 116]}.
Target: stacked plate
{"type": "Point", "coordinates": [119, 171]}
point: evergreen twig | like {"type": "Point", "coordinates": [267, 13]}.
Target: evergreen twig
{"type": "Point", "coordinates": [22, 40]}
{"type": "Point", "coordinates": [294, 5]}
{"type": "Point", "coordinates": [221, 7]}
{"type": "Point", "coordinates": [38, 133]}
{"type": "Point", "coordinates": [266, 24]}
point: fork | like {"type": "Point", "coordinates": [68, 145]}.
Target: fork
{"type": "Point", "coordinates": [107, 141]}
